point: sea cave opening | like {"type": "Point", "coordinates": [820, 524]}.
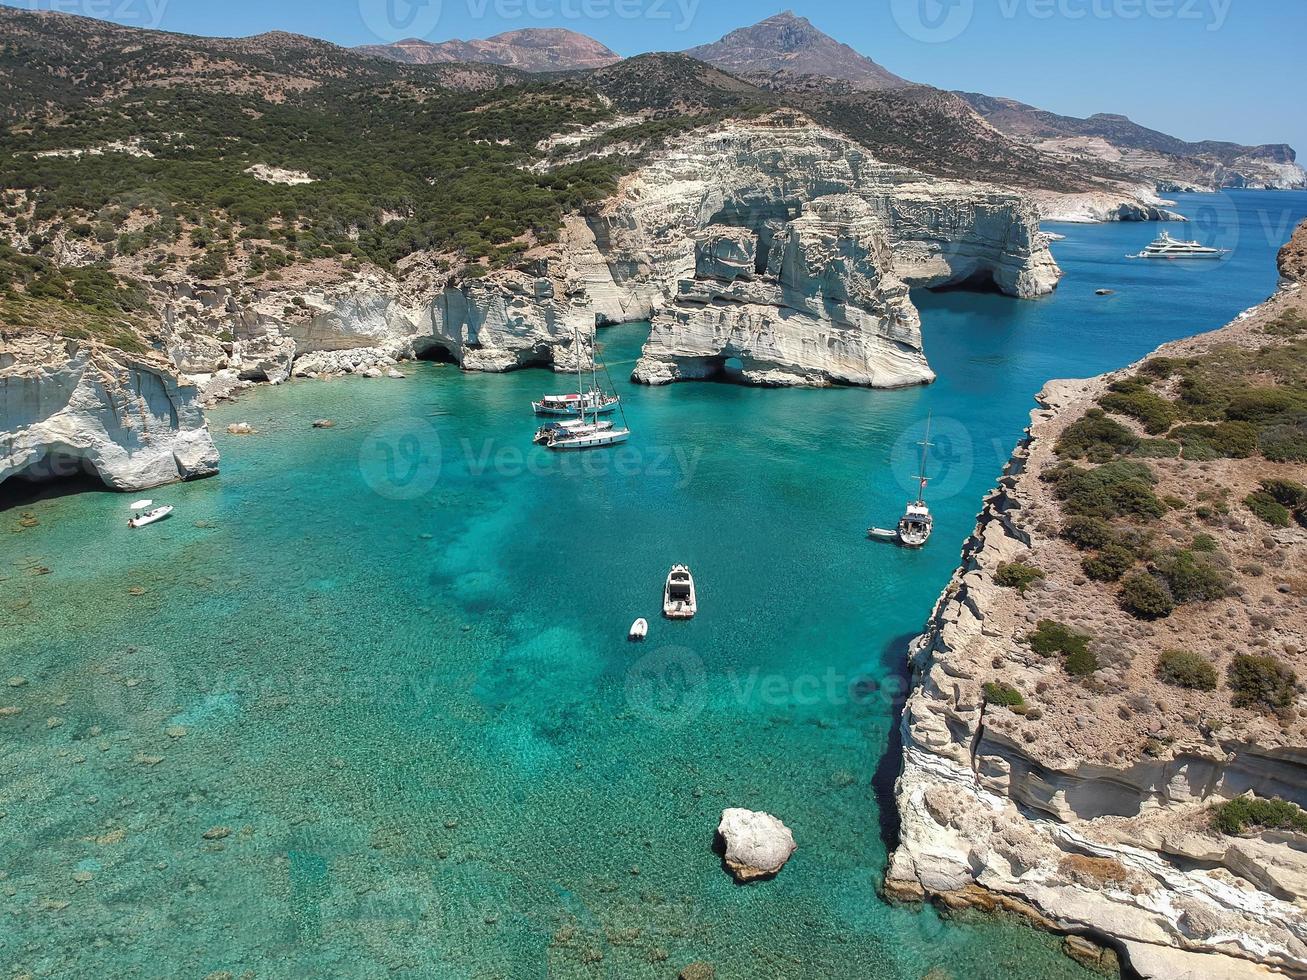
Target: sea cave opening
{"type": "Point", "coordinates": [435, 352]}
{"type": "Point", "coordinates": [53, 475]}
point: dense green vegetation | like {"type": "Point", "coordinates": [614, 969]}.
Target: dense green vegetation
{"type": "Point", "coordinates": [1004, 695]}
{"type": "Point", "coordinates": [1017, 575]}
{"type": "Point", "coordinates": [85, 302]}
{"type": "Point", "coordinates": [1244, 813]}
{"type": "Point", "coordinates": [1145, 596]}
{"type": "Point", "coordinates": [1052, 638]}
{"type": "Point", "coordinates": [1188, 670]}
{"type": "Point", "coordinates": [1279, 500]}
{"type": "Point", "coordinates": [1262, 682]}
{"type": "Point", "coordinates": [391, 174]}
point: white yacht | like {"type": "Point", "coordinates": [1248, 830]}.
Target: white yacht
{"type": "Point", "coordinates": [679, 598]}
{"type": "Point", "coordinates": [1167, 247]}
{"type": "Point", "coordinates": [587, 431]}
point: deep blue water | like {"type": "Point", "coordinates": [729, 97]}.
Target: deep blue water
{"type": "Point", "coordinates": [390, 659]}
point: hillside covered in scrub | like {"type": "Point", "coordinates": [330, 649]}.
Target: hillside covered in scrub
{"type": "Point", "coordinates": [1106, 729]}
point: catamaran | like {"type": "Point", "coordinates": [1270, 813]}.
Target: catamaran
{"type": "Point", "coordinates": [1167, 247]}
{"type": "Point", "coordinates": [587, 431]}
{"type": "Point", "coordinates": [916, 523]}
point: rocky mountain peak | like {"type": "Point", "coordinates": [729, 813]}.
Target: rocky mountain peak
{"type": "Point", "coordinates": [786, 46]}
{"type": "Point", "coordinates": [528, 49]}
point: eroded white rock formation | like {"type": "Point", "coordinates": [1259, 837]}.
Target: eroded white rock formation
{"type": "Point", "coordinates": [805, 303]}
{"type": "Point", "coordinates": [72, 407]}
{"type": "Point", "coordinates": [832, 310]}
{"type": "Point", "coordinates": [1089, 807]}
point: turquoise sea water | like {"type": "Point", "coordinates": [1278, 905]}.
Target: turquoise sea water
{"type": "Point", "coordinates": [390, 659]}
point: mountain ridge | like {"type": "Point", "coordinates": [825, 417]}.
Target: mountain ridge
{"type": "Point", "coordinates": [534, 49]}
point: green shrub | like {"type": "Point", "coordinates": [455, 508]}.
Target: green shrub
{"type": "Point", "coordinates": [1146, 597]}
{"type": "Point", "coordinates": [1243, 812]}
{"type": "Point", "coordinates": [1187, 670]}
{"type": "Point", "coordinates": [1205, 543]}
{"type": "Point", "coordinates": [1285, 443]}
{"type": "Point", "coordinates": [1087, 533]}
{"type": "Point", "coordinates": [1193, 576]}
{"type": "Point", "coordinates": [1095, 437]}
{"type": "Point", "coordinates": [1262, 682]}
{"type": "Point", "coordinates": [1082, 663]}
{"type": "Point", "coordinates": [1122, 488]}
{"type": "Point", "coordinates": [1017, 575]}
{"type": "Point", "coordinates": [1287, 492]}
{"type": "Point", "coordinates": [1156, 449]}
{"type": "Point", "coordinates": [1004, 695]}
{"type": "Point", "coordinates": [1051, 637]}
{"type": "Point", "coordinates": [1232, 440]}
{"type": "Point", "coordinates": [1151, 410]}
{"type": "Point", "coordinates": [1287, 324]}
{"type": "Point", "coordinates": [1267, 508]}
{"type": "Point", "coordinates": [1109, 564]}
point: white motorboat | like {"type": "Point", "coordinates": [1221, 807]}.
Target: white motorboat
{"type": "Point", "coordinates": [639, 630]}
{"type": "Point", "coordinates": [1167, 247]}
{"type": "Point", "coordinates": [586, 431]}
{"type": "Point", "coordinates": [596, 401]}
{"type": "Point", "coordinates": [679, 598]}
{"type": "Point", "coordinates": [149, 516]}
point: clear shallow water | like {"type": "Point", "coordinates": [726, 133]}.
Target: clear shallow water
{"type": "Point", "coordinates": [391, 660]}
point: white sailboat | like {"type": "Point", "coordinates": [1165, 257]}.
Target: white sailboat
{"type": "Point", "coordinates": [587, 431]}
{"type": "Point", "coordinates": [915, 525]}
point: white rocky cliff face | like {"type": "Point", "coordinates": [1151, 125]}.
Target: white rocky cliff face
{"type": "Point", "coordinates": [831, 310]}
{"type": "Point", "coordinates": [807, 303]}
{"type": "Point", "coordinates": [69, 407]}
{"type": "Point", "coordinates": [834, 238]}
{"type": "Point", "coordinates": [1086, 814]}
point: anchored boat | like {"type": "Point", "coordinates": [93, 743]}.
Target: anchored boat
{"type": "Point", "coordinates": [679, 598]}
{"type": "Point", "coordinates": [149, 516]}
{"type": "Point", "coordinates": [587, 431]}
{"type": "Point", "coordinates": [916, 523]}
{"type": "Point", "coordinates": [596, 401]}
{"type": "Point", "coordinates": [1167, 247]}
{"type": "Point", "coordinates": [639, 630]}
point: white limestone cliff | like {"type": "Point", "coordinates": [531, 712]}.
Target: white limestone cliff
{"type": "Point", "coordinates": [808, 303]}
{"type": "Point", "coordinates": [769, 179]}
{"type": "Point", "coordinates": [1089, 808]}
{"type": "Point", "coordinates": [74, 407]}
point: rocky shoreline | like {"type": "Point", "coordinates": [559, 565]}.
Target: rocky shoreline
{"type": "Point", "coordinates": [1087, 807]}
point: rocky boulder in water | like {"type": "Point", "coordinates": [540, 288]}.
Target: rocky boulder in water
{"type": "Point", "coordinates": [757, 844]}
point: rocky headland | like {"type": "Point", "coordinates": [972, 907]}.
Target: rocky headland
{"type": "Point", "coordinates": [1102, 730]}
{"type": "Point", "coordinates": [74, 407]}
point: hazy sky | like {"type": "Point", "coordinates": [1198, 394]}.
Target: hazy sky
{"type": "Point", "coordinates": [1198, 69]}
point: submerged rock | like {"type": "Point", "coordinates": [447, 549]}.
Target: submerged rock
{"type": "Point", "coordinates": [240, 429]}
{"type": "Point", "coordinates": [757, 844]}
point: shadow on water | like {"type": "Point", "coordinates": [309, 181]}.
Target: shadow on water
{"type": "Point", "coordinates": [897, 677]}
{"type": "Point", "coordinates": [18, 492]}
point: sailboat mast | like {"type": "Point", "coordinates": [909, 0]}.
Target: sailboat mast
{"type": "Point", "coordinates": [925, 446]}
{"type": "Point", "coordinates": [580, 377]}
